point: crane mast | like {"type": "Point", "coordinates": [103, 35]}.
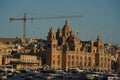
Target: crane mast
{"type": "Point", "coordinates": [25, 19]}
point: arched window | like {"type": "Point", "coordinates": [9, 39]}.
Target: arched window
{"type": "Point", "coordinates": [81, 58]}
{"type": "Point", "coordinates": [89, 58]}
{"type": "Point", "coordinates": [89, 63]}
{"type": "Point", "coordinates": [58, 62]}
{"type": "Point", "coordinates": [69, 57]}
{"type": "Point", "coordinates": [72, 63]}
{"type": "Point", "coordinates": [53, 62]}
{"type": "Point", "coordinates": [80, 63]}
{"type": "Point", "coordinates": [54, 45]}
{"type": "Point", "coordinates": [77, 57]}
{"type": "Point", "coordinates": [72, 56]}
{"type": "Point", "coordinates": [85, 58]}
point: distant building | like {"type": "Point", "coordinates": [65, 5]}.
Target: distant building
{"type": "Point", "coordinates": [118, 61]}
{"type": "Point", "coordinates": [22, 61]}
{"type": "Point", "coordinates": [66, 50]}
{"type": "Point", "coordinates": [8, 40]}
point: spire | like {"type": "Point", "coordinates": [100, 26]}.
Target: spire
{"type": "Point", "coordinates": [66, 22]}
{"type": "Point", "coordinates": [98, 38]}
{"type": "Point", "coordinates": [51, 34]}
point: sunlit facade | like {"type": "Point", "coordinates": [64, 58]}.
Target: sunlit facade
{"type": "Point", "coordinates": [66, 50]}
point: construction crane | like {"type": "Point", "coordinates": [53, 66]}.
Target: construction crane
{"type": "Point", "coordinates": [25, 19]}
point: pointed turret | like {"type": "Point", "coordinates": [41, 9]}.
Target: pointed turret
{"type": "Point", "coordinates": [98, 38]}
{"type": "Point", "coordinates": [100, 45]}
{"type": "Point", "coordinates": [51, 34]}
{"type": "Point", "coordinates": [59, 33]}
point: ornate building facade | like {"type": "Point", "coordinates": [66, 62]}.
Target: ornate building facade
{"type": "Point", "coordinates": [66, 50]}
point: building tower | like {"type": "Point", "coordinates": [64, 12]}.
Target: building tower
{"type": "Point", "coordinates": [53, 55]}
{"type": "Point", "coordinates": [59, 36]}
{"type": "Point", "coordinates": [100, 45]}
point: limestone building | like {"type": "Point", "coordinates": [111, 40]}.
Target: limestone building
{"type": "Point", "coordinates": [65, 50]}
{"type": "Point", "coordinates": [22, 61]}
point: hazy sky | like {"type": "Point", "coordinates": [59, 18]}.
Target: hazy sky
{"type": "Point", "coordinates": [100, 17]}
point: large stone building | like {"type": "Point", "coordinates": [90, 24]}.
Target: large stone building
{"type": "Point", "coordinates": [65, 50]}
{"type": "Point", "coordinates": [13, 52]}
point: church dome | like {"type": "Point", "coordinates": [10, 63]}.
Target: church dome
{"type": "Point", "coordinates": [67, 27]}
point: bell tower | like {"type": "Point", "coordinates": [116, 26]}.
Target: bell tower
{"type": "Point", "coordinates": [100, 45]}
{"type": "Point", "coordinates": [51, 38]}
{"type": "Point", "coordinates": [51, 35]}
{"type": "Point", "coordinates": [59, 36]}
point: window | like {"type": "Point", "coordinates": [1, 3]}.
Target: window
{"type": "Point", "coordinates": [101, 59]}
{"type": "Point", "coordinates": [100, 47]}
{"type": "Point", "coordinates": [101, 65]}
{"type": "Point", "coordinates": [58, 62]}
{"type": "Point", "coordinates": [53, 55]}
{"type": "Point", "coordinates": [68, 57]}
{"type": "Point", "coordinates": [72, 57]}
{"type": "Point", "coordinates": [85, 64]}
{"type": "Point", "coordinates": [72, 63]}
{"type": "Point", "coordinates": [68, 63]}
{"type": "Point", "coordinates": [89, 63]}
{"type": "Point", "coordinates": [89, 58]}
{"type": "Point", "coordinates": [77, 57]}
{"type": "Point", "coordinates": [49, 45]}
{"type": "Point", "coordinates": [77, 49]}
{"type": "Point", "coordinates": [109, 59]}
{"type": "Point", "coordinates": [77, 62]}
{"type": "Point", "coordinates": [85, 58]}
{"type": "Point", "coordinates": [53, 62]}
{"type": "Point", "coordinates": [54, 45]}
{"type": "Point", "coordinates": [58, 56]}
{"type": "Point", "coordinates": [81, 58]}
{"type": "Point", "coordinates": [108, 65]}
{"type": "Point", "coordinates": [105, 59]}
{"type": "Point", "coordinates": [104, 64]}
{"type": "Point", "coordinates": [80, 63]}
{"type": "Point", "coordinates": [71, 49]}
